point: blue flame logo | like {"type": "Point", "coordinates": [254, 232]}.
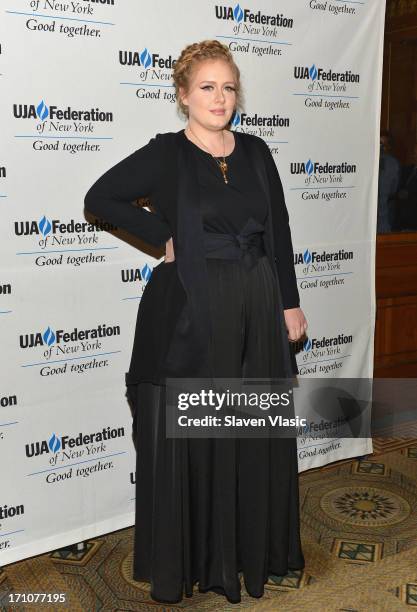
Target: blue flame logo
{"type": "Point", "coordinates": [313, 72]}
{"type": "Point", "coordinates": [145, 58]}
{"type": "Point", "coordinates": [309, 167]}
{"type": "Point", "coordinates": [236, 119]}
{"type": "Point", "coordinates": [307, 256]}
{"type": "Point", "coordinates": [146, 272]}
{"type": "Point", "coordinates": [48, 336]}
{"type": "Point", "coordinates": [238, 13]}
{"type": "Point", "coordinates": [44, 226]}
{"type": "Point", "coordinates": [307, 345]}
{"type": "Point", "coordinates": [54, 443]}
{"type": "Point", "coordinates": [42, 110]}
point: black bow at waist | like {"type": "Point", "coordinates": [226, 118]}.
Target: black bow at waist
{"type": "Point", "coordinates": [246, 247]}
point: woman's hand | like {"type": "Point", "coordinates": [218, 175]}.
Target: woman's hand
{"type": "Point", "coordinates": [169, 251]}
{"type": "Point", "coordinates": [296, 323]}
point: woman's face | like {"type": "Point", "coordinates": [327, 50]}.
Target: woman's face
{"type": "Point", "coordinates": [211, 96]}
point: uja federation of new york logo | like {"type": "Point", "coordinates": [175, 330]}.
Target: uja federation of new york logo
{"type": "Point", "coordinates": [63, 128]}
{"type": "Point", "coordinates": [51, 242]}
{"type": "Point", "coordinates": [323, 355]}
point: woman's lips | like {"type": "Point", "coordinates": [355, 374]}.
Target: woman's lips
{"type": "Point", "coordinates": [218, 112]}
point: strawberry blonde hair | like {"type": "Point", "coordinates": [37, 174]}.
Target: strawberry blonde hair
{"type": "Point", "coordinates": [193, 55]}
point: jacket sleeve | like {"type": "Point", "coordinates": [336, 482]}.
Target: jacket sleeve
{"type": "Point", "coordinates": [112, 195]}
{"type": "Point", "coordinates": [284, 254]}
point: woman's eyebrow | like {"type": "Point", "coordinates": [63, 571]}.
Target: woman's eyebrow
{"type": "Point", "coordinates": [214, 82]}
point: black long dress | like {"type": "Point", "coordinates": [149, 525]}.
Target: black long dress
{"type": "Point", "coordinates": [210, 509]}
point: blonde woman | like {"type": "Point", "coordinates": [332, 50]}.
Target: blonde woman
{"type": "Point", "coordinates": [223, 303]}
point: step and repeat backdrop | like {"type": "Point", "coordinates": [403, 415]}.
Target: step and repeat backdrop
{"type": "Point", "coordinates": [83, 85]}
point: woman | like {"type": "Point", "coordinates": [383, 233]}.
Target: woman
{"type": "Point", "coordinates": [224, 303]}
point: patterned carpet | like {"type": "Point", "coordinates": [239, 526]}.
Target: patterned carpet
{"type": "Point", "coordinates": [359, 530]}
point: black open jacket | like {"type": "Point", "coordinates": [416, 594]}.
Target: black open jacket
{"type": "Point", "coordinates": [173, 324]}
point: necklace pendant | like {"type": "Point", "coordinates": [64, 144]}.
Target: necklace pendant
{"type": "Point", "coordinates": [223, 168]}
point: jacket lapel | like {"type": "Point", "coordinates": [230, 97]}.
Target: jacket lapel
{"type": "Point", "coordinates": [258, 162]}
{"type": "Point", "coordinates": [189, 349]}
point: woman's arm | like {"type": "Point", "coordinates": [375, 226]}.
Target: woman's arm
{"type": "Point", "coordinates": [284, 255]}
{"type": "Point", "coordinates": [112, 195]}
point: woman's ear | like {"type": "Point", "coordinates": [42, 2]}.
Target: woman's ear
{"type": "Point", "coordinates": [183, 96]}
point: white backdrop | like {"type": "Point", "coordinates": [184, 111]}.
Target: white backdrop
{"type": "Point", "coordinates": [84, 84]}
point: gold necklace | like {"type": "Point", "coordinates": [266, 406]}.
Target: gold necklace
{"type": "Point", "coordinates": [222, 164]}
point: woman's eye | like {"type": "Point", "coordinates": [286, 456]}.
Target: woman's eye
{"type": "Point", "coordinates": [228, 87]}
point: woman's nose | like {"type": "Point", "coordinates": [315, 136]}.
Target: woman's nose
{"type": "Point", "coordinates": [220, 95]}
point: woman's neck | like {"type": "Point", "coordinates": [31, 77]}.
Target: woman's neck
{"type": "Point", "coordinates": [206, 141]}
{"type": "Point", "coordinates": [213, 140]}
